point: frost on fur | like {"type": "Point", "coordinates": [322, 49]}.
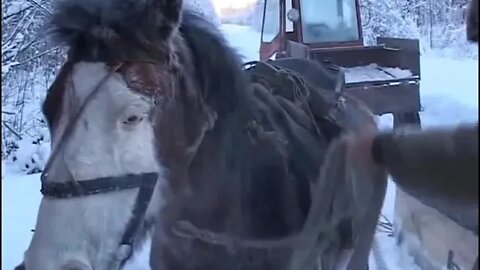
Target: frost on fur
{"type": "Point", "coordinates": [108, 28]}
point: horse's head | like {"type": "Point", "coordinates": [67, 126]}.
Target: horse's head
{"type": "Point", "coordinates": [122, 112]}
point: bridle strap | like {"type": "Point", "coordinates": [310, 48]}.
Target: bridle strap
{"type": "Point", "coordinates": [72, 189]}
{"type": "Point", "coordinates": [141, 203]}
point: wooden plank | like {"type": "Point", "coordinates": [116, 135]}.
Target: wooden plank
{"type": "Point", "coordinates": [392, 99]}
{"type": "Point", "coordinates": [429, 236]}
{"type": "Point", "coordinates": [409, 49]}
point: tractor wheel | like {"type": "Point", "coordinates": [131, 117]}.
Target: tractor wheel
{"type": "Point", "coordinates": [406, 119]}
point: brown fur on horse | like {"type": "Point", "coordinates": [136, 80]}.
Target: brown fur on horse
{"type": "Point", "coordinates": [52, 108]}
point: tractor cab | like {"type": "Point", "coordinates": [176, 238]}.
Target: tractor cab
{"type": "Point", "coordinates": [317, 24]}
{"type": "Point", "coordinates": [385, 76]}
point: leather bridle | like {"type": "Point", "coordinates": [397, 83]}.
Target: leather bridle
{"type": "Point", "coordinates": [146, 183]}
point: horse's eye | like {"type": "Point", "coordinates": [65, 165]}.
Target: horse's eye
{"type": "Point", "coordinates": [133, 119]}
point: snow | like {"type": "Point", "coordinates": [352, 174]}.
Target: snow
{"type": "Point", "coordinates": [30, 157]}
{"type": "Point", "coordinates": [448, 93]}
{"type": "Point", "coordinates": [6, 67]}
{"type": "Point", "coordinates": [373, 72]}
{"type": "Point", "coordinates": [20, 200]}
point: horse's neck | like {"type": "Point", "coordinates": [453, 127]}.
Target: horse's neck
{"type": "Point", "coordinates": [240, 184]}
{"type": "Point", "coordinates": [211, 196]}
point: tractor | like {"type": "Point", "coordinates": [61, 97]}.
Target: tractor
{"type": "Point", "coordinates": [386, 76]}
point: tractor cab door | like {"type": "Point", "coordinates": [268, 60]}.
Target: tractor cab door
{"type": "Point", "coordinates": [273, 28]}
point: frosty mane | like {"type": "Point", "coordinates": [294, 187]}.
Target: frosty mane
{"type": "Point", "coordinates": [115, 30]}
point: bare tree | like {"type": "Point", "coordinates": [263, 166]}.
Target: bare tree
{"type": "Point", "coordinates": [29, 64]}
{"type": "Point", "coordinates": [437, 23]}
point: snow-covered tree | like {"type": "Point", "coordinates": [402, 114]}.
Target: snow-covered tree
{"type": "Point", "coordinates": [438, 24]}
{"type": "Point", "coordinates": [204, 7]}
{"type": "Point", "coordinates": [29, 65]}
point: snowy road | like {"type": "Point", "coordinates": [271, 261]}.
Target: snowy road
{"type": "Point", "coordinates": [448, 93]}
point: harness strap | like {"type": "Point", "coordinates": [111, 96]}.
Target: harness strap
{"type": "Point", "coordinates": [72, 189]}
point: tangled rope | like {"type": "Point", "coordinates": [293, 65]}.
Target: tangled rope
{"type": "Point", "coordinates": [385, 226]}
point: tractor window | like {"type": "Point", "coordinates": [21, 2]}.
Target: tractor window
{"type": "Point", "coordinates": [329, 21]}
{"type": "Point", "coordinates": [271, 26]}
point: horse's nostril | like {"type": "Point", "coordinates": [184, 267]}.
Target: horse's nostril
{"type": "Point", "coordinates": [20, 267]}
{"type": "Point", "coordinates": [75, 265]}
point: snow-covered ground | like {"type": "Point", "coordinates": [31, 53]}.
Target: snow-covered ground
{"type": "Point", "coordinates": [449, 94]}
